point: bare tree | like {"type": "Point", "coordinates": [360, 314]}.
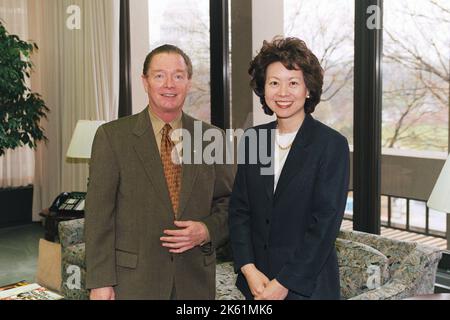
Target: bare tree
{"type": "Point", "coordinates": [338, 68]}
{"type": "Point", "coordinates": [327, 29]}
{"type": "Point", "coordinates": [424, 61]}
{"type": "Point", "coordinates": [186, 25]}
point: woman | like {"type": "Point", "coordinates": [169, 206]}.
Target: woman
{"type": "Point", "coordinates": [283, 226]}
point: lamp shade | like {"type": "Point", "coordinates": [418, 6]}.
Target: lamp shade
{"type": "Point", "coordinates": [440, 196]}
{"type": "Point", "coordinates": [82, 138]}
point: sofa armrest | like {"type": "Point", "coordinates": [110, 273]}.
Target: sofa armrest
{"type": "Point", "coordinates": [415, 276]}
{"type": "Point", "coordinates": [419, 269]}
{"type": "Point", "coordinates": [71, 232]}
{"type": "Point", "coordinates": [393, 290]}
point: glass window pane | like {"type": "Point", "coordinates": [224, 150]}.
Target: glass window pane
{"type": "Point", "coordinates": [185, 23]}
{"type": "Point", "coordinates": [417, 215]}
{"type": "Point", "coordinates": [438, 222]}
{"type": "Point", "coordinates": [416, 74]}
{"type": "Point", "coordinates": [349, 205]}
{"type": "Point", "coordinates": [327, 27]}
{"type": "Point", "coordinates": [398, 213]}
{"type": "Point", "coordinates": [416, 55]}
{"type": "Point", "coordinates": [384, 210]}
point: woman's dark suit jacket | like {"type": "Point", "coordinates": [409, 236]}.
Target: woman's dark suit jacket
{"type": "Point", "coordinates": [289, 235]}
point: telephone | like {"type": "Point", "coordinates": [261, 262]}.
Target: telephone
{"type": "Point", "coordinates": [69, 203]}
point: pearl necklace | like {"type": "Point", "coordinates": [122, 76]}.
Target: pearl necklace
{"type": "Point", "coordinates": [283, 147]}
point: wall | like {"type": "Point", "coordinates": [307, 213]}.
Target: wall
{"type": "Point", "coordinates": [241, 34]}
{"type": "Point", "coordinates": [267, 22]}
{"type": "Point", "coordinates": [410, 174]}
{"type": "Point", "coordinates": [140, 47]}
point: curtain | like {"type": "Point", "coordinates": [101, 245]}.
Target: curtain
{"type": "Point", "coordinates": [78, 77]}
{"type": "Point", "coordinates": [16, 166]}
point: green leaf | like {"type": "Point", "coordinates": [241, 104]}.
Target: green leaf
{"type": "Point", "coordinates": [20, 109]}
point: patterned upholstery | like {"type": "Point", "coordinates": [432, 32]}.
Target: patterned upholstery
{"type": "Point", "coordinates": [356, 274]}
{"type": "Point", "coordinates": [71, 232]}
{"type": "Point", "coordinates": [371, 267]}
{"type": "Point", "coordinates": [412, 267]}
{"type": "Point", "coordinates": [73, 266]}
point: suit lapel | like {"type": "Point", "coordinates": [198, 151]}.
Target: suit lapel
{"type": "Point", "coordinates": [297, 156]}
{"type": "Point", "coordinates": [189, 171]}
{"type": "Point", "coordinates": [147, 151]}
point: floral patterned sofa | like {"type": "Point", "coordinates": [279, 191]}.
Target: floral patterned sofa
{"type": "Point", "coordinates": [371, 267]}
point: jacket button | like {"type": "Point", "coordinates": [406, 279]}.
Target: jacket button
{"type": "Point", "coordinates": [265, 247]}
{"type": "Point", "coordinates": [267, 221]}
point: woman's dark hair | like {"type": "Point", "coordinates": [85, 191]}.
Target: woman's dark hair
{"type": "Point", "coordinates": [168, 48]}
{"type": "Point", "coordinates": [294, 55]}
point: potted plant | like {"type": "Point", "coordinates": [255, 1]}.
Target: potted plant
{"type": "Point", "coordinates": [20, 113]}
{"type": "Point", "coordinates": [20, 109]}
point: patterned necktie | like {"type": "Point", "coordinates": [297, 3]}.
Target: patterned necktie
{"type": "Point", "coordinates": [172, 171]}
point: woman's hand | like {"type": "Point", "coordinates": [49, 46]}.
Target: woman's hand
{"type": "Point", "coordinates": [273, 291]}
{"type": "Point", "coordinates": [256, 280]}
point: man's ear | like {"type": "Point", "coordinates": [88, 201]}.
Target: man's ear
{"type": "Point", "coordinates": [145, 82]}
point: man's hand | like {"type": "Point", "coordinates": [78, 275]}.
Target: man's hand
{"type": "Point", "coordinates": [192, 234]}
{"type": "Point", "coordinates": [106, 293]}
{"type": "Point", "coordinates": [256, 280]}
{"type": "Point", "coordinates": [273, 291]}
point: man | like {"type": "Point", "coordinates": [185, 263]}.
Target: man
{"type": "Point", "coordinates": [152, 225]}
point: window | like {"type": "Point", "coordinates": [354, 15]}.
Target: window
{"type": "Point", "coordinates": [185, 23]}
{"type": "Point", "coordinates": [327, 27]}
{"type": "Point", "coordinates": [416, 75]}
{"type": "Point", "coordinates": [415, 114]}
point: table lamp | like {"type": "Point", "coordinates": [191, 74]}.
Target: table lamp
{"type": "Point", "coordinates": [82, 139]}
{"type": "Point", "coordinates": [440, 196]}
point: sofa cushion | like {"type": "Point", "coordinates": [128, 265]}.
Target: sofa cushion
{"type": "Point", "coordinates": [361, 267]}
